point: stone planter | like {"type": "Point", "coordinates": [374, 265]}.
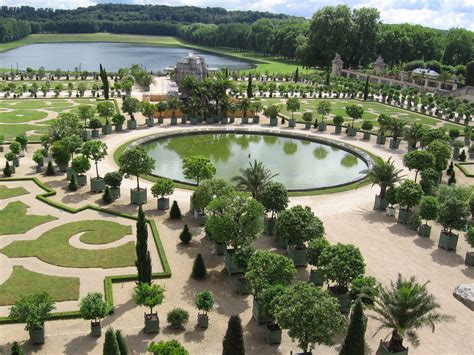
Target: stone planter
{"type": "Point", "coordinates": [131, 124]}
{"type": "Point", "coordinates": [272, 334]}
{"type": "Point", "coordinates": [16, 162]}
{"type": "Point", "coordinates": [163, 203]}
{"type": "Point", "coordinates": [37, 336]}
{"type": "Point", "coordinates": [219, 248]}
{"type": "Point", "coordinates": [424, 230]}
{"type": "Point", "coordinates": [203, 321]}
{"type": "Point", "coordinates": [114, 192]}
{"type": "Point", "coordinates": [351, 131]}
{"type": "Point", "coordinates": [469, 260]}
{"type": "Point", "coordinates": [107, 129]}
{"type": "Point", "coordinates": [118, 127]}
{"type": "Point", "coordinates": [245, 120]}
{"type": "Point", "coordinates": [194, 121]}
{"type": "Point", "coordinates": [448, 241]}
{"type": "Point", "coordinates": [381, 139]}
{"type": "Point", "coordinates": [201, 218]}
{"type": "Point", "coordinates": [404, 216]}
{"type": "Point", "coordinates": [209, 120]}
{"type": "Point", "coordinates": [316, 277]}
{"type": "Point", "coordinates": [282, 243]}
{"type": "Point", "coordinates": [292, 123]}
{"type": "Point", "coordinates": [390, 211]}
{"type": "Point", "coordinates": [383, 350]}
{"type": "Point", "coordinates": [183, 120]}
{"type": "Point", "coordinates": [367, 136]}
{"type": "Point", "coordinates": [242, 286]}
{"type": "Point", "coordinates": [39, 168]}
{"type": "Point", "coordinates": [152, 323]}
{"type": "Point", "coordinates": [322, 126]}
{"type": "Point", "coordinates": [231, 264]}
{"type": "Point", "coordinates": [97, 185]}
{"type": "Point", "coordinates": [216, 119]}
{"type": "Point", "coordinates": [81, 180]}
{"type": "Point", "coordinates": [138, 197]}
{"type": "Point", "coordinates": [338, 129]}
{"type": "Point", "coordinates": [260, 316]}
{"type": "Point", "coordinates": [298, 255]}
{"type": "Point", "coordinates": [86, 136]}
{"type": "Point", "coordinates": [343, 298]}
{"type": "Point", "coordinates": [95, 133]}
{"type": "Point", "coordinates": [150, 122]}
{"type": "Point", "coordinates": [256, 119]}
{"type": "Point", "coordinates": [269, 224]}
{"type": "Point", "coordinates": [394, 144]}
{"type": "Point", "coordinates": [380, 203]}
{"type": "Point", "coordinates": [160, 120]}
{"type": "Point", "coordinates": [1, 148]}
{"type": "Point", "coordinates": [96, 330]}
{"type": "Point", "coordinates": [273, 121]}
{"type": "Point", "coordinates": [224, 120]}
{"type": "Point", "coordinates": [307, 125]}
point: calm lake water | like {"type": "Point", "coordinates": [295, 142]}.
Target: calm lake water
{"type": "Point", "coordinates": [300, 164]}
{"type": "Point", "coordinates": [67, 56]}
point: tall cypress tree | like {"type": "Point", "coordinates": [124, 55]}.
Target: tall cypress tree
{"type": "Point", "coordinates": [297, 74]}
{"type": "Point", "coordinates": [122, 344]}
{"type": "Point", "coordinates": [249, 87]}
{"type": "Point", "coordinates": [234, 337]}
{"type": "Point", "coordinates": [354, 344]}
{"type": "Point", "coordinates": [143, 262]}
{"type": "Point", "coordinates": [110, 345]}
{"type": "Point", "coordinates": [366, 89]}
{"type": "Point", "coordinates": [105, 81]}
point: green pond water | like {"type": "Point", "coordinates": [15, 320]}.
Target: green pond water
{"type": "Point", "coordinates": [300, 164]}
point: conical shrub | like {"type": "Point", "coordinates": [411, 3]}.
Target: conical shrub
{"type": "Point", "coordinates": [110, 344]}
{"type": "Point", "coordinates": [354, 343]}
{"type": "Point", "coordinates": [50, 169]}
{"type": "Point", "coordinates": [185, 235]}
{"type": "Point", "coordinates": [73, 183]}
{"type": "Point", "coordinates": [233, 343]}
{"type": "Point", "coordinates": [199, 268]}
{"type": "Point", "coordinates": [122, 344]}
{"type": "Point", "coordinates": [106, 196]}
{"type": "Point", "coordinates": [175, 212]}
{"type": "Point", "coordinates": [8, 170]}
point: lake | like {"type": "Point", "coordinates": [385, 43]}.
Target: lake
{"type": "Point", "coordinates": [68, 56]}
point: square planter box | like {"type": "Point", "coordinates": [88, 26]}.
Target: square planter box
{"type": "Point", "coordinates": [269, 224]}
{"type": "Point", "coordinates": [107, 129]}
{"type": "Point", "coordinates": [351, 131]}
{"type": "Point", "coordinates": [424, 230]}
{"type": "Point", "coordinates": [282, 243]}
{"type": "Point", "coordinates": [394, 144]}
{"type": "Point", "coordinates": [1, 148]}
{"type": "Point", "coordinates": [404, 216]}
{"type": "Point", "coordinates": [118, 127]}
{"type": "Point", "coordinates": [338, 129]}
{"type": "Point", "coordinates": [160, 120]}
{"type": "Point", "coordinates": [16, 162]}
{"type": "Point", "coordinates": [194, 121]}
{"type": "Point", "coordinates": [97, 185]}
{"type": "Point", "coordinates": [273, 121]}
{"type": "Point", "coordinates": [183, 120]}
{"type": "Point", "coordinates": [242, 286]}
{"type": "Point", "coordinates": [383, 350]}
{"type": "Point", "coordinates": [96, 329]}
{"type": "Point", "coordinates": [201, 219]}
{"type": "Point", "coordinates": [224, 120]}
{"type": "Point", "coordinates": [245, 120]}
{"type": "Point", "coordinates": [209, 120]}
{"type": "Point", "coordinates": [203, 321]}
{"type": "Point", "coordinates": [81, 180]}
{"type": "Point", "coordinates": [37, 336]}
{"type": "Point", "coordinates": [12, 168]}
{"type": "Point", "coordinates": [381, 139]}
{"type": "Point", "coordinates": [163, 203]}
{"type": "Point", "coordinates": [448, 241]}
{"type": "Point", "coordinates": [138, 197]}
{"type": "Point", "coordinates": [367, 136]}
{"type": "Point", "coordinates": [39, 168]}
{"type": "Point", "coordinates": [95, 133]}
{"type": "Point", "coordinates": [131, 124]}
{"type": "Point", "coordinates": [380, 203]}
{"type": "Point", "coordinates": [390, 211]}
{"type": "Point", "coordinates": [469, 260]}
{"type": "Point", "coordinates": [216, 119]}
{"type": "Point", "coordinates": [114, 193]}
{"type": "Point", "coordinates": [150, 122]}
{"type": "Point", "coordinates": [272, 334]}
{"type": "Point", "coordinates": [256, 119]}
{"type": "Point", "coordinates": [292, 123]}
{"type": "Point", "coordinates": [86, 136]}
{"type": "Point", "coordinates": [230, 262]}
{"type": "Point", "coordinates": [322, 126]}
{"type": "Point", "coordinates": [343, 298]}
{"type": "Point", "coordinates": [316, 277]}
{"type": "Point", "coordinates": [260, 316]}
{"type": "Point", "coordinates": [219, 248]}
{"type": "Point", "coordinates": [307, 125]}
{"type": "Point", "coordinates": [297, 255]}
{"type": "Point", "coordinates": [152, 323]}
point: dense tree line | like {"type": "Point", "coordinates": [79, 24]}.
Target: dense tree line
{"type": "Point", "coordinates": [358, 34]}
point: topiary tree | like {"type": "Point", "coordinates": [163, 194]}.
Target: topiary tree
{"type": "Point", "coordinates": [354, 343]}
{"type": "Point", "coordinates": [274, 197]}
{"type": "Point", "coordinates": [409, 194]}
{"type": "Point", "coordinates": [313, 317]}
{"type": "Point", "coordinates": [131, 105]}
{"type": "Point", "coordinates": [429, 208]}
{"type": "Point", "coordinates": [7, 171]}
{"type": "Point", "coordinates": [93, 307]}
{"type": "Point", "coordinates": [136, 162]}
{"type": "Point", "coordinates": [107, 196]}
{"type": "Point", "coordinates": [148, 295]}
{"type": "Point", "coordinates": [113, 179]}
{"type": "Point", "coordinates": [95, 150]}
{"type": "Point", "coordinates": [22, 138]}
{"type": "Point", "coordinates": [418, 160]}
{"type": "Point", "coordinates": [143, 260]}
{"type": "Point", "coordinates": [198, 168]}
{"type": "Point", "coordinates": [60, 153]}
{"type": "Point", "coordinates": [49, 169]}
{"type": "Point", "coordinates": [429, 181]}
{"type": "Point", "coordinates": [177, 318]}
{"type": "Point", "coordinates": [111, 346]}
{"type": "Point", "coordinates": [204, 301]}
{"type": "Point", "coordinates": [313, 252]}
{"type": "Point", "coordinates": [341, 263]}
{"type": "Point", "coordinates": [175, 212]}
{"type": "Point", "coordinates": [365, 288]}
{"type": "Point", "coordinates": [441, 152]}
{"type": "Point", "coordinates": [122, 344]}
{"type": "Point", "coordinates": [161, 188]}
{"type": "Point", "coordinates": [199, 271]}
{"type": "Point", "coordinates": [324, 108]}
{"type": "Point", "coordinates": [233, 343]}
{"type": "Point", "coordinates": [292, 105]}
{"type": "Point", "coordinates": [453, 214]}
{"type": "Point", "coordinates": [185, 235]}
{"type": "Point", "coordinates": [355, 112]}
{"type": "Point", "coordinates": [171, 347]}
{"type": "Point", "coordinates": [209, 190]}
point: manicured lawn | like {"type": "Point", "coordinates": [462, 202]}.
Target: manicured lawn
{"type": "Point", "coordinates": [10, 131]}
{"type": "Point", "coordinates": [26, 104]}
{"type": "Point", "coordinates": [53, 246]}
{"type": "Point", "coordinates": [14, 220]}
{"type": "Point", "coordinates": [19, 116]}
{"type": "Point", "coordinates": [24, 282]}
{"type": "Point", "coordinates": [6, 192]}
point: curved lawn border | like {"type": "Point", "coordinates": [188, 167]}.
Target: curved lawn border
{"type": "Point", "coordinates": [108, 280]}
{"type": "Point", "coordinates": [461, 167]}
{"type": "Point", "coordinates": [366, 156]}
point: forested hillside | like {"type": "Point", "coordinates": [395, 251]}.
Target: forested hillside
{"type": "Point", "coordinates": [358, 35]}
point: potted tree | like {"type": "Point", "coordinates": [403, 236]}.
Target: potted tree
{"type": "Point", "coordinates": [2, 140]}
{"type": "Point", "coordinates": [384, 174]}
{"type": "Point", "coordinates": [266, 269]}
{"type": "Point", "coordinates": [149, 295]}
{"type": "Point", "coordinates": [307, 118]}
{"type": "Point", "coordinates": [396, 126]}
{"type": "Point", "coordinates": [298, 225]}
{"type": "Point", "coordinates": [93, 307]}
{"type": "Point", "coordinates": [106, 109]}
{"type": "Point", "coordinates": [341, 263]}
{"type": "Point", "coordinates": [245, 105]}
{"type": "Point", "coordinates": [292, 105]}
{"type": "Point", "coordinates": [160, 189]}
{"type": "Point", "coordinates": [38, 158]}
{"type": "Point", "coordinates": [135, 161]}
{"type": "Point", "coordinates": [453, 214]}
{"type": "Point", "coordinates": [34, 310]}
{"type": "Point", "coordinates": [391, 198]}
{"type": "Point", "coordinates": [383, 121]}
{"type": "Point", "coordinates": [470, 240]}
{"type": "Point", "coordinates": [148, 110]}
{"type": "Point", "coordinates": [367, 127]}
{"type": "Point", "coordinates": [268, 303]}
{"type": "Point", "coordinates": [256, 108]}
{"type": "Point", "coordinates": [409, 194]}
{"type": "Point", "coordinates": [173, 104]}
{"type": "Point", "coordinates": [161, 107]}
{"type": "Point", "coordinates": [457, 146]}
{"type": "Point", "coordinates": [80, 165]}
{"type": "Point", "coordinates": [204, 302]}
{"type": "Point", "coordinates": [274, 197]}
{"type": "Point", "coordinates": [272, 111]}
{"type": "Point", "coordinates": [198, 168]}
{"type": "Point", "coordinates": [118, 120]}
{"type": "Point", "coordinates": [61, 155]}
{"type": "Point", "coordinates": [338, 121]}
{"type": "Point", "coordinates": [355, 112]}
{"type": "Point", "coordinates": [205, 193]}
{"type": "Point", "coordinates": [113, 180]}
{"type": "Point", "coordinates": [314, 250]}
{"type": "Point", "coordinates": [9, 166]}
{"type": "Point", "coordinates": [418, 160]}
{"type": "Point", "coordinates": [429, 207]}
{"type": "Point", "coordinates": [394, 310]}
{"type": "Point", "coordinates": [15, 148]}
{"type": "Point", "coordinates": [85, 113]}
{"type": "Point", "coordinates": [323, 108]}
{"type": "Point", "coordinates": [23, 140]}
{"type": "Point", "coordinates": [95, 124]}
{"type": "Point", "coordinates": [95, 150]}
{"type": "Point", "coordinates": [131, 105]}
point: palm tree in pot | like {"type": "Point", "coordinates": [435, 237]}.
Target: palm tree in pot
{"type": "Point", "coordinates": [384, 174]}
{"type": "Point", "coordinates": [254, 178]}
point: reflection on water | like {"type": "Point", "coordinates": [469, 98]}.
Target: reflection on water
{"type": "Point", "coordinates": [300, 164]}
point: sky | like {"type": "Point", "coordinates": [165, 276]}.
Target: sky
{"type": "Point", "coordinates": [441, 14]}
